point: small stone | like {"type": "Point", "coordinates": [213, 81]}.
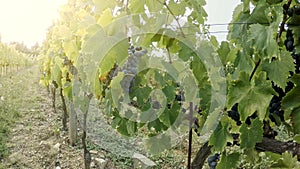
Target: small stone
{"type": "Point", "coordinates": [141, 161]}
{"type": "Point", "coordinates": [93, 165]}
{"type": "Point", "coordinates": [101, 163]}
{"type": "Point", "coordinates": [56, 147]}
{"type": "Point", "coordinates": [93, 152]}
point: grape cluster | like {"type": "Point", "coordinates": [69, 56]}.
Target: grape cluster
{"type": "Point", "coordinates": [289, 42]}
{"type": "Point", "coordinates": [234, 114]}
{"type": "Point", "coordinates": [213, 160]}
{"type": "Point", "coordinates": [290, 11]}
{"type": "Point", "coordinates": [130, 68]}
{"type": "Point", "coordinates": [275, 113]}
{"type": "Point", "coordinates": [275, 110]}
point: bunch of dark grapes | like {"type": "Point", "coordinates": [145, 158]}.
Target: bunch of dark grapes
{"type": "Point", "coordinates": [130, 68]}
{"type": "Point", "coordinates": [289, 41]}
{"type": "Point", "coordinates": [234, 114]}
{"type": "Point", "coordinates": [275, 113]}
{"type": "Point", "coordinates": [213, 161]}
{"type": "Point", "coordinates": [290, 11]}
{"type": "Point", "coordinates": [275, 110]}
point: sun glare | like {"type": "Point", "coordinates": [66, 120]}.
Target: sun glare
{"type": "Point", "coordinates": [27, 20]}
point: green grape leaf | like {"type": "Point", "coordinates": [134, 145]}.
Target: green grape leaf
{"type": "Point", "coordinates": [169, 116]}
{"type": "Point", "coordinates": [252, 134]}
{"type": "Point", "coordinates": [243, 63]}
{"type": "Point", "coordinates": [137, 6]}
{"type": "Point", "coordinates": [157, 125]}
{"type": "Point", "coordinates": [246, 6]}
{"type": "Point", "coordinates": [263, 40]}
{"type": "Point", "coordinates": [177, 8]}
{"type": "Point", "coordinates": [220, 137]}
{"type": "Point", "coordinates": [260, 14]}
{"type": "Point", "coordinates": [286, 161]}
{"type": "Point", "coordinates": [126, 127]}
{"type": "Point", "coordinates": [170, 92]}
{"type": "Point", "coordinates": [243, 91]}
{"type": "Point", "coordinates": [223, 51]}
{"type": "Point", "coordinates": [105, 18]}
{"type": "Point", "coordinates": [198, 14]}
{"type": "Point", "coordinates": [142, 94]}
{"type": "Point", "coordinates": [279, 70]}
{"type": "Point", "coordinates": [153, 6]}
{"type": "Point", "coordinates": [100, 5]}
{"type": "Point", "coordinates": [185, 53]}
{"type": "Point", "coordinates": [292, 98]}
{"type": "Point", "coordinates": [295, 117]}
{"type": "Point", "coordinates": [297, 138]}
{"type": "Point", "coordinates": [158, 144]}
{"type": "Point", "coordinates": [67, 90]}
{"type": "Point", "coordinates": [296, 33]}
{"type": "Point", "coordinates": [229, 161]}
{"type": "Point", "coordinates": [57, 74]}
{"type": "Point", "coordinates": [237, 31]}
{"type": "Point", "coordinates": [71, 50]}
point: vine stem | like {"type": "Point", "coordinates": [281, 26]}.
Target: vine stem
{"type": "Point", "coordinates": [172, 13]}
{"type": "Point", "coordinates": [65, 111]}
{"type": "Point", "coordinates": [254, 70]}
{"type": "Point", "coordinates": [169, 55]}
{"type": "Point", "coordinates": [190, 135]}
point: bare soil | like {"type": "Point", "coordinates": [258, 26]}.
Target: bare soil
{"type": "Point", "coordinates": [36, 140]}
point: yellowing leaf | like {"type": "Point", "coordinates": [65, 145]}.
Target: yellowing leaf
{"type": "Point", "coordinates": [106, 18]}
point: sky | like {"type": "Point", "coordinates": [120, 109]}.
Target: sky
{"type": "Point", "coordinates": [220, 12]}
{"type": "Point", "coordinates": [27, 21]}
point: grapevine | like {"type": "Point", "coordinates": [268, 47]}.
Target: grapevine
{"type": "Point", "coordinates": [150, 92]}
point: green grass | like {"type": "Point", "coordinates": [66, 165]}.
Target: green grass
{"type": "Point", "coordinates": [8, 115]}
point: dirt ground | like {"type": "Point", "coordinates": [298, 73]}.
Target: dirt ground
{"type": "Point", "coordinates": [36, 140]}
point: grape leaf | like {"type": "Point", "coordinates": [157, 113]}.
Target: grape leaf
{"type": "Point", "coordinates": [295, 117]}
{"type": "Point", "coordinates": [263, 40]}
{"type": "Point", "coordinates": [252, 134]}
{"type": "Point", "coordinates": [137, 6]}
{"type": "Point", "coordinates": [243, 91]}
{"type": "Point", "coordinates": [198, 13]}
{"type": "Point", "coordinates": [229, 161]}
{"type": "Point", "coordinates": [237, 31]}
{"type": "Point", "coordinates": [100, 5]}
{"type": "Point", "coordinates": [177, 8]}
{"type": "Point", "coordinates": [243, 63]}
{"type": "Point", "coordinates": [292, 98]}
{"type": "Point", "coordinates": [168, 117]}
{"type": "Point", "coordinates": [57, 74]}
{"type": "Point", "coordinates": [105, 18]}
{"type": "Point", "coordinates": [286, 161]}
{"type": "Point", "coordinates": [220, 137]}
{"type": "Point", "coordinates": [260, 14]}
{"type": "Point", "coordinates": [223, 51]}
{"type": "Point", "coordinates": [157, 125]}
{"type": "Point", "coordinates": [297, 138]}
{"type": "Point", "coordinates": [279, 70]}
{"type": "Point", "coordinates": [159, 143]}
